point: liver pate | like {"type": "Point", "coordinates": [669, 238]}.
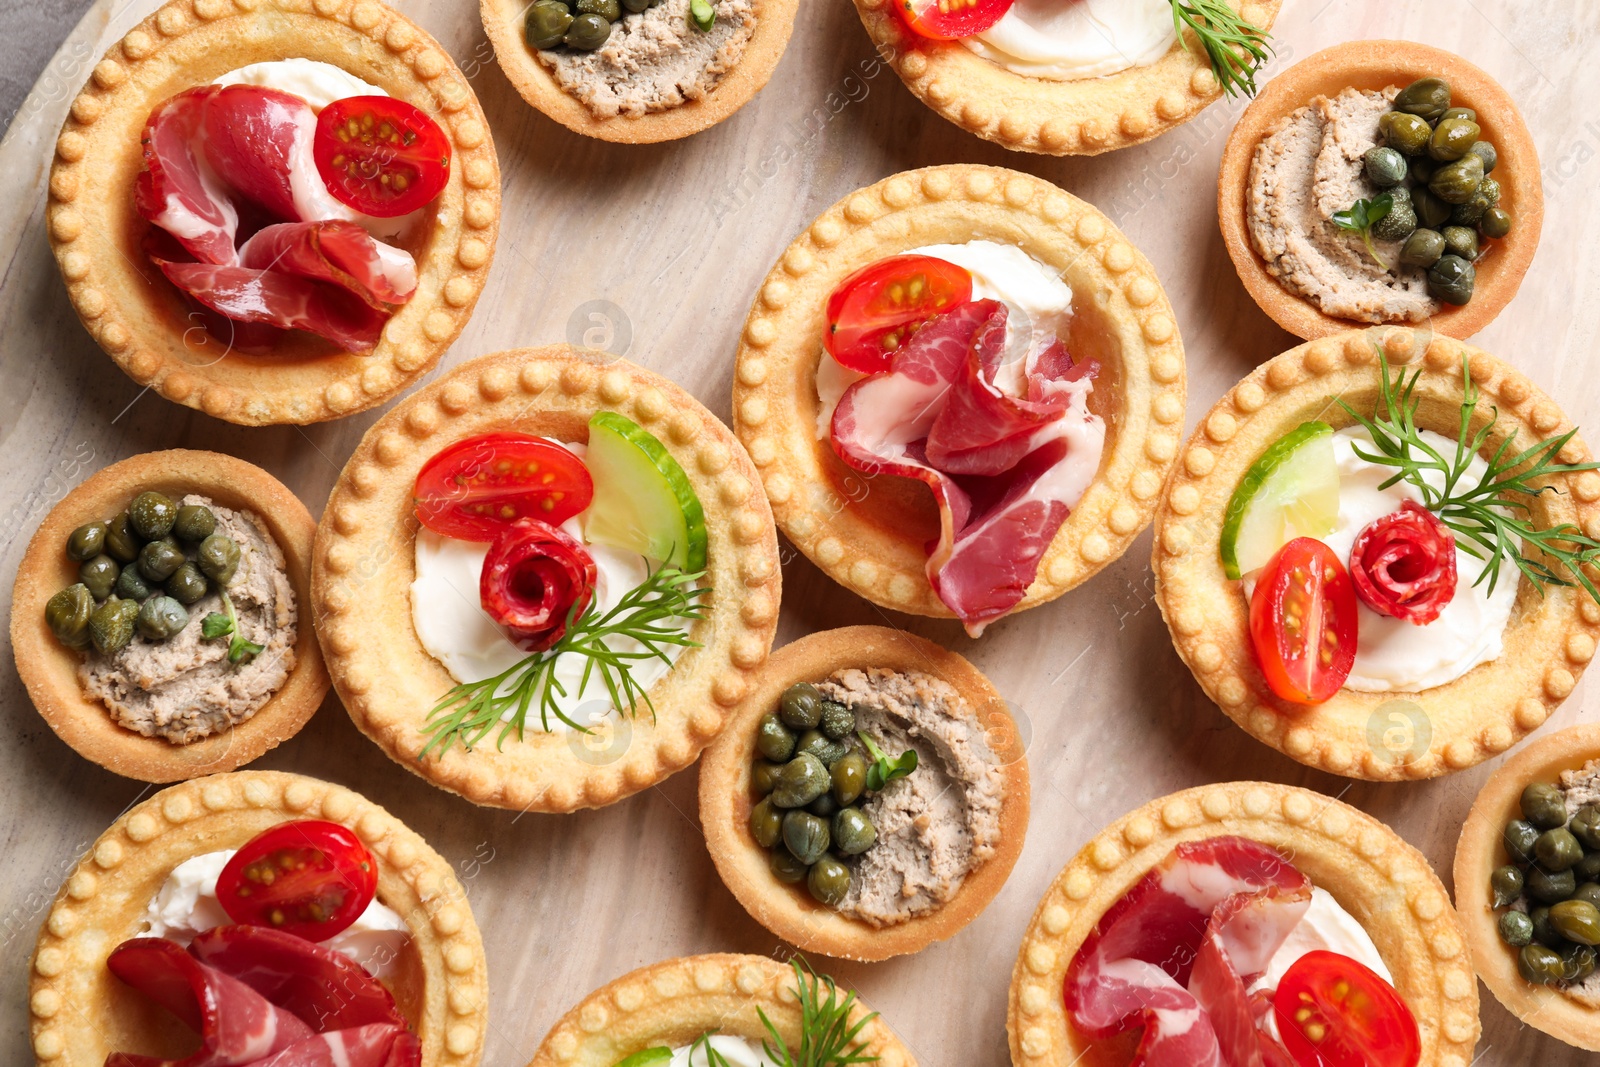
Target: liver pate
{"type": "Point", "coordinates": [184, 689]}
{"type": "Point", "coordinates": [655, 60]}
{"type": "Point", "coordinates": [937, 825]}
{"type": "Point", "coordinates": [1308, 166]}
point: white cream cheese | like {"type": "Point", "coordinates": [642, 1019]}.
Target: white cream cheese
{"type": "Point", "coordinates": [738, 1051]}
{"type": "Point", "coordinates": [1066, 40]}
{"type": "Point", "coordinates": [1326, 927]}
{"type": "Point", "coordinates": [186, 906]}
{"type": "Point", "coordinates": [318, 84]}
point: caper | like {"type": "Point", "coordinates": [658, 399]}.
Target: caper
{"type": "Point", "coordinates": [1431, 211]}
{"type": "Point", "coordinates": [1557, 850]}
{"type": "Point", "coordinates": [805, 835]}
{"type": "Point", "coordinates": [764, 776]}
{"type": "Point", "coordinates": [161, 617]}
{"type": "Point", "coordinates": [1496, 222]}
{"type": "Point", "coordinates": [122, 544]}
{"type": "Point", "coordinates": [1460, 241]}
{"type": "Point", "coordinates": [187, 584]}
{"type": "Point", "coordinates": [1384, 166]}
{"type": "Point", "coordinates": [849, 778]}
{"type": "Point", "coordinates": [1578, 920]}
{"type": "Point", "coordinates": [1485, 151]}
{"type": "Point", "coordinates": [800, 781]}
{"type": "Point", "coordinates": [1489, 189]}
{"type": "Point", "coordinates": [1454, 183]}
{"type": "Point", "coordinates": [87, 541]}
{"type": "Point", "coordinates": [131, 585]}
{"type": "Point", "coordinates": [99, 575]}
{"type": "Point", "coordinates": [838, 721]}
{"type": "Point", "coordinates": [1459, 113]}
{"type": "Point", "coordinates": [194, 524]}
{"type": "Point", "coordinates": [1539, 965]}
{"type": "Point", "coordinates": [635, 6]}
{"type": "Point", "coordinates": [853, 832]}
{"type": "Point", "coordinates": [1544, 805]}
{"type": "Point", "coordinates": [1585, 825]}
{"type": "Point", "coordinates": [824, 805]}
{"type": "Point", "coordinates": [1421, 169]}
{"type": "Point", "coordinates": [801, 706]}
{"type": "Point", "coordinates": [1506, 884]}
{"type": "Point", "coordinates": [111, 625]}
{"type": "Point", "coordinates": [1587, 891]}
{"type": "Point", "coordinates": [1423, 248]}
{"type": "Point", "coordinates": [67, 614]}
{"type": "Point", "coordinates": [1401, 218]}
{"type": "Point", "coordinates": [1451, 279]}
{"type": "Point", "coordinates": [773, 739]}
{"type": "Point", "coordinates": [829, 881]}
{"type": "Point", "coordinates": [1451, 139]}
{"type": "Point", "coordinates": [609, 10]}
{"type": "Point", "coordinates": [547, 23]}
{"type": "Point", "coordinates": [1469, 213]}
{"type": "Point", "coordinates": [1516, 929]}
{"type": "Point", "coordinates": [1588, 868]}
{"type": "Point", "coordinates": [785, 868]}
{"type": "Point", "coordinates": [1544, 931]}
{"type": "Point", "coordinates": [219, 558]}
{"type": "Point", "coordinates": [1406, 134]}
{"type": "Point", "coordinates": [1578, 962]}
{"type": "Point", "coordinates": [159, 559]}
{"type": "Point", "coordinates": [766, 824]}
{"type": "Point", "coordinates": [1427, 98]}
{"type": "Point", "coordinates": [1518, 839]}
{"type": "Point", "coordinates": [1548, 888]}
{"type": "Point", "coordinates": [151, 515]}
{"type": "Point", "coordinates": [819, 745]}
{"type": "Point", "coordinates": [587, 33]}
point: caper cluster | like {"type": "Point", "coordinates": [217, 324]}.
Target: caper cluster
{"type": "Point", "coordinates": [584, 25]}
{"type": "Point", "coordinates": [1450, 201]}
{"type": "Point", "coordinates": [811, 776]}
{"type": "Point", "coordinates": [138, 573]}
{"type": "Point", "coordinates": [1555, 866]}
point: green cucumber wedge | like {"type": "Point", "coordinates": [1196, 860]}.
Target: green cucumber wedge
{"type": "Point", "coordinates": [1291, 491]}
{"type": "Point", "coordinates": [643, 501]}
{"type": "Point", "coordinates": [650, 1057]}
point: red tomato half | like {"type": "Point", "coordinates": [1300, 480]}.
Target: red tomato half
{"type": "Point", "coordinates": [308, 878]}
{"type": "Point", "coordinates": [476, 488]}
{"type": "Point", "coordinates": [873, 311]}
{"type": "Point", "coordinates": [381, 156]}
{"type": "Point", "coordinates": [947, 20]}
{"type": "Point", "coordinates": [1303, 622]}
{"type": "Point", "coordinates": [1335, 1012]}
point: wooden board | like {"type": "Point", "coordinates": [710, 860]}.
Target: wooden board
{"type": "Point", "coordinates": [657, 250]}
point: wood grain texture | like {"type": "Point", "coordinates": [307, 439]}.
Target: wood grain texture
{"type": "Point", "coordinates": [662, 247]}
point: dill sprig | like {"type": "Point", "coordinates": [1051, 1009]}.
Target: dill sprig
{"type": "Point", "coordinates": [709, 1057]}
{"type": "Point", "coordinates": [827, 1038]}
{"type": "Point", "coordinates": [1491, 517]}
{"type": "Point", "coordinates": [651, 614]}
{"type": "Point", "coordinates": [1236, 46]}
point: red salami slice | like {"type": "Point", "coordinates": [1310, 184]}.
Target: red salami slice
{"type": "Point", "coordinates": [1404, 564]}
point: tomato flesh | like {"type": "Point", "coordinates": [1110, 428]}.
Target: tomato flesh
{"type": "Point", "coordinates": [380, 156]}
{"type": "Point", "coordinates": [475, 489]}
{"type": "Point", "coordinates": [948, 20]}
{"type": "Point", "coordinates": [309, 878]}
{"type": "Point", "coordinates": [1303, 622]}
{"type": "Point", "coordinates": [1335, 1012]}
{"type": "Point", "coordinates": [877, 308]}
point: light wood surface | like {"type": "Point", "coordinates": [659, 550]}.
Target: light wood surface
{"type": "Point", "coordinates": [669, 242]}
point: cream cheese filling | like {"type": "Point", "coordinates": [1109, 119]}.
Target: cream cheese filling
{"type": "Point", "coordinates": [1068, 40]}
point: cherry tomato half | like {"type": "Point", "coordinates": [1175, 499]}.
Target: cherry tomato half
{"type": "Point", "coordinates": [476, 488]}
{"type": "Point", "coordinates": [873, 311]}
{"type": "Point", "coordinates": [1303, 622]}
{"type": "Point", "coordinates": [947, 20]}
{"type": "Point", "coordinates": [308, 878]}
{"type": "Point", "coordinates": [1335, 1012]}
{"type": "Point", "coordinates": [381, 156]}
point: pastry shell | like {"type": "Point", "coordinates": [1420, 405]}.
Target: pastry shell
{"type": "Point", "coordinates": [1384, 883]}
{"type": "Point", "coordinates": [148, 329]}
{"type": "Point", "coordinates": [1479, 851]}
{"type": "Point", "coordinates": [50, 670]}
{"type": "Point", "coordinates": [365, 563]}
{"type": "Point", "coordinates": [1548, 642]}
{"type": "Point", "coordinates": [869, 534]}
{"type": "Point", "coordinates": [502, 21]}
{"type": "Point", "coordinates": [725, 796]}
{"type": "Point", "coordinates": [1375, 65]}
{"type": "Point", "coordinates": [1063, 118]}
{"type": "Point", "coordinates": [673, 1002]}
{"type": "Point", "coordinates": [80, 1012]}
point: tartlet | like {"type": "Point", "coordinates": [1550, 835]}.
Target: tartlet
{"type": "Point", "coordinates": [1547, 644]}
{"type": "Point", "coordinates": [502, 21]}
{"type": "Point", "coordinates": [1478, 853]}
{"type": "Point", "coordinates": [442, 989]}
{"type": "Point", "coordinates": [1383, 882]}
{"type": "Point", "coordinates": [1062, 118]}
{"type": "Point", "coordinates": [726, 797]}
{"type": "Point", "coordinates": [49, 670]}
{"type": "Point", "coordinates": [873, 541]}
{"type": "Point", "coordinates": [673, 1002]}
{"type": "Point", "coordinates": [364, 566]}
{"type": "Point", "coordinates": [1374, 65]}
{"type": "Point", "coordinates": [96, 232]}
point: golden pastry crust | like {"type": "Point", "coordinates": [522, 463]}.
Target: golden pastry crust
{"type": "Point", "coordinates": [673, 1002]}
{"type": "Point", "coordinates": [1061, 118]}
{"type": "Point", "coordinates": [50, 671]}
{"type": "Point", "coordinates": [502, 21]}
{"type": "Point", "coordinates": [1548, 642]}
{"type": "Point", "coordinates": [870, 534]}
{"type": "Point", "coordinates": [96, 231]}
{"type": "Point", "coordinates": [1479, 851]}
{"type": "Point", "coordinates": [443, 988]}
{"type": "Point", "coordinates": [1374, 65]}
{"type": "Point", "coordinates": [365, 563]}
{"type": "Point", "coordinates": [1384, 883]}
{"type": "Point", "coordinates": [725, 796]}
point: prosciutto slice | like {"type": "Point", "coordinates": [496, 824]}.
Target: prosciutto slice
{"type": "Point", "coordinates": [284, 300]}
{"type": "Point", "coordinates": [338, 252]}
{"type": "Point", "coordinates": [377, 1045]}
{"type": "Point", "coordinates": [327, 990]}
{"type": "Point", "coordinates": [1244, 933]}
{"type": "Point", "coordinates": [177, 190]}
{"type": "Point", "coordinates": [250, 136]}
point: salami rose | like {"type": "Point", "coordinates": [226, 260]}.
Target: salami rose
{"type": "Point", "coordinates": [1404, 564]}
{"type": "Point", "coordinates": [534, 577]}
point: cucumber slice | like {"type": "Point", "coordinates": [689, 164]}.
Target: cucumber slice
{"type": "Point", "coordinates": [643, 501]}
{"type": "Point", "coordinates": [650, 1057]}
{"type": "Point", "coordinates": [1291, 491]}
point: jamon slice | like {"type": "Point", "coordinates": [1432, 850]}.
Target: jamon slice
{"type": "Point", "coordinates": [377, 1045]}
{"type": "Point", "coordinates": [249, 138]}
{"type": "Point", "coordinates": [1245, 931]}
{"type": "Point", "coordinates": [177, 190]}
{"type": "Point", "coordinates": [283, 300]}
{"type": "Point", "coordinates": [338, 252]}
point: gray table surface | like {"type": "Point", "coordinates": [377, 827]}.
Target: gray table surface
{"type": "Point", "coordinates": [34, 30]}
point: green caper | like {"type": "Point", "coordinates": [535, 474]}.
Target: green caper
{"type": "Point", "coordinates": [1539, 965]}
{"type": "Point", "coordinates": [160, 559]}
{"type": "Point", "coordinates": [1557, 850]}
{"type": "Point", "coordinates": [800, 781]}
{"type": "Point", "coordinates": [131, 585]}
{"type": "Point", "coordinates": [1421, 169]}
{"type": "Point", "coordinates": [1427, 98]}
{"type": "Point", "coordinates": [838, 721]}
{"type": "Point", "coordinates": [828, 881]}
{"type": "Point", "coordinates": [111, 625]}
{"type": "Point", "coordinates": [773, 739]}
{"type": "Point", "coordinates": [821, 746]}
{"type": "Point", "coordinates": [1585, 826]}
{"type": "Point", "coordinates": [1451, 139]}
{"type": "Point", "coordinates": [1460, 241]}
{"type": "Point", "coordinates": [766, 824]}
{"type": "Point", "coordinates": [67, 614]}
{"type": "Point", "coordinates": [1587, 891]}
{"type": "Point", "coordinates": [1544, 805]}
{"type": "Point", "coordinates": [801, 707]}
{"type": "Point", "coordinates": [1518, 839]}
{"type": "Point", "coordinates": [853, 832]}
{"type": "Point", "coordinates": [547, 23]}
{"type": "Point", "coordinates": [849, 778]}
{"type": "Point", "coordinates": [87, 541]}
{"type": "Point", "coordinates": [1550, 888]}
{"type": "Point", "coordinates": [194, 524]}
{"type": "Point", "coordinates": [764, 776]}
{"type": "Point", "coordinates": [1588, 868]}
{"type": "Point", "coordinates": [1401, 218]}
{"type": "Point", "coordinates": [1459, 113]}
{"type": "Point", "coordinates": [1423, 248]}
{"type": "Point", "coordinates": [1384, 166]}
{"type": "Point", "coordinates": [1578, 962]}
{"type": "Point", "coordinates": [1451, 279]}
{"type": "Point", "coordinates": [785, 868]}
{"type": "Point", "coordinates": [609, 10]}
{"type": "Point", "coordinates": [151, 515]}
{"type": "Point", "coordinates": [1544, 931]}
{"type": "Point", "coordinates": [1506, 884]}
{"type": "Point", "coordinates": [161, 617]}
{"type": "Point", "coordinates": [1496, 222]}
{"type": "Point", "coordinates": [1489, 189]}
{"type": "Point", "coordinates": [824, 805]}
{"type": "Point", "coordinates": [1577, 920]}
{"type": "Point", "coordinates": [1406, 134]}
{"type": "Point", "coordinates": [1485, 151]}
{"type": "Point", "coordinates": [587, 33]}
{"type": "Point", "coordinates": [1469, 213]}
{"type": "Point", "coordinates": [122, 544]}
{"type": "Point", "coordinates": [805, 835]}
{"type": "Point", "coordinates": [635, 6]}
{"type": "Point", "coordinates": [1516, 929]}
{"type": "Point", "coordinates": [1431, 211]}
{"type": "Point", "coordinates": [99, 575]}
{"type": "Point", "coordinates": [187, 584]}
{"type": "Point", "coordinates": [1454, 183]}
{"type": "Point", "coordinates": [218, 558]}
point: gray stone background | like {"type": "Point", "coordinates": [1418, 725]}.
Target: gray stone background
{"type": "Point", "coordinates": [34, 29]}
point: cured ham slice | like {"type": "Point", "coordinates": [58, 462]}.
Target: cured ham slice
{"type": "Point", "coordinates": [338, 252]}
{"type": "Point", "coordinates": [283, 300]}
{"type": "Point", "coordinates": [178, 190]}
{"type": "Point", "coordinates": [1244, 933]}
{"type": "Point", "coordinates": [377, 1045]}
{"type": "Point", "coordinates": [250, 135]}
